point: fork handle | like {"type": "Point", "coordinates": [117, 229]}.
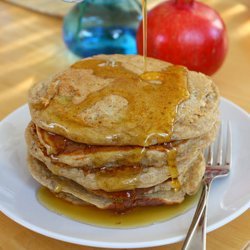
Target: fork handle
{"type": "Point", "coordinates": [196, 236]}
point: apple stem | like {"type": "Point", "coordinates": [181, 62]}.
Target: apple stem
{"type": "Point", "coordinates": [184, 2]}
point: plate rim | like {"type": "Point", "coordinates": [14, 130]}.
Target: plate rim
{"type": "Point", "coordinates": [115, 245]}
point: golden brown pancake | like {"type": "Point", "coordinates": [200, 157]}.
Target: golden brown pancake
{"type": "Point", "coordinates": [76, 154]}
{"type": "Point", "coordinates": [75, 193]}
{"type": "Point", "coordinates": [106, 100]}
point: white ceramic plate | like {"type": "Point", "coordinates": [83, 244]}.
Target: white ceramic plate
{"type": "Point", "coordinates": [229, 197]}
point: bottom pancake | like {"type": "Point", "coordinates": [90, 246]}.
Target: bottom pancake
{"type": "Point", "coordinates": [157, 195]}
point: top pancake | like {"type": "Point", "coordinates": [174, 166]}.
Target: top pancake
{"type": "Point", "coordinates": [107, 100]}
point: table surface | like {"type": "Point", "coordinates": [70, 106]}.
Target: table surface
{"type": "Point", "coordinates": [31, 49]}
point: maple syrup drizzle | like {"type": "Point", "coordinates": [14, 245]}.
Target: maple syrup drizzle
{"type": "Point", "coordinates": [140, 216]}
{"type": "Point", "coordinates": [140, 91]}
{"type": "Point", "coordinates": [112, 179]}
{"type": "Point", "coordinates": [137, 217]}
{"type": "Point", "coordinates": [166, 89]}
{"type": "Point", "coordinates": [118, 179]}
{"type": "Point", "coordinates": [171, 162]}
{"type": "Point", "coordinates": [145, 32]}
{"type": "Point", "coordinates": [170, 82]}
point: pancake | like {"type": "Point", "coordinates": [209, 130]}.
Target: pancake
{"type": "Point", "coordinates": [75, 193]}
{"type": "Point", "coordinates": [72, 154]}
{"type": "Point", "coordinates": [103, 101]}
{"type": "Point", "coordinates": [122, 177]}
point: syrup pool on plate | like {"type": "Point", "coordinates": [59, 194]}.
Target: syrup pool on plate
{"type": "Point", "coordinates": [137, 217]}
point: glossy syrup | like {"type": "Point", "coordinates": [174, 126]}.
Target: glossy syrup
{"type": "Point", "coordinates": [166, 89]}
{"type": "Point", "coordinates": [125, 177]}
{"type": "Point", "coordinates": [145, 32]}
{"type": "Point", "coordinates": [137, 217]}
{"type": "Point", "coordinates": [118, 179]}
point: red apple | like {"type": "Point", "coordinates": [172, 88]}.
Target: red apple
{"type": "Point", "coordinates": [187, 33]}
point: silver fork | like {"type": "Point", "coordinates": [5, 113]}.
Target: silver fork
{"type": "Point", "coordinates": [216, 167]}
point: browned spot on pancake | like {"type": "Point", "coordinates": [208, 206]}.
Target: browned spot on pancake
{"type": "Point", "coordinates": [127, 205]}
{"type": "Point", "coordinates": [124, 200]}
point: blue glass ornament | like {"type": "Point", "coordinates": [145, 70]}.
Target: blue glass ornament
{"type": "Point", "coordinates": [102, 27]}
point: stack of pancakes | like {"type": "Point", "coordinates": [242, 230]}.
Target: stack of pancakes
{"type": "Point", "coordinates": [106, 133]}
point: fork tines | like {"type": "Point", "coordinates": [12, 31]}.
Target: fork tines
{"type": "Point", "coordinates": [224, 148]}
